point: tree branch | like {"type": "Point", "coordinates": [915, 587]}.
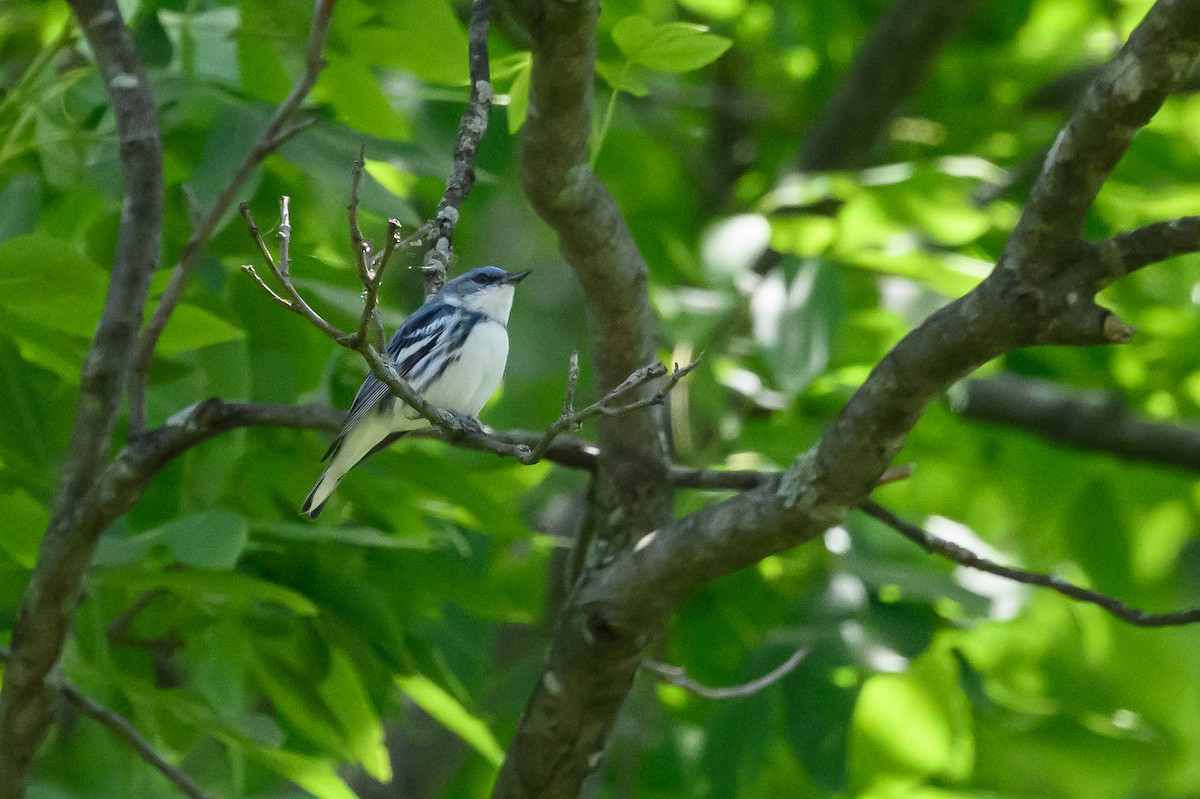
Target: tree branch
{"type": "Point", "coordinates": [274, 136]}
{"type": "Point", "coordinates": [1130, 251]}
{"type": "Point", "coordinates": [964, 557]}
{"type": "Point", "coordinates": [888, 68]}
{"type": "Point", "coordinates": [1092, 420]}
{"type": "Point", "coordinates": [122, 728]}
{"type": "Point", "coordinates": [470, 132]}
{"type": "Point", "coordinates": [1158, 55]}
{"type": "Point", "coordinates": [26, 706]}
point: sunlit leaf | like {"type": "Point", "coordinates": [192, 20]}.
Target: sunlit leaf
{"type": "Point", "coordinates": [452, 715]}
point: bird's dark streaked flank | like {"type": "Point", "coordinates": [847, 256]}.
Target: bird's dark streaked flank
{"type": "Point", "coordinates": [452, 350]}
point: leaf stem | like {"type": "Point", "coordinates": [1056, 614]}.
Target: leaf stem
{"type": "Point", "coordinates": [602, 132]}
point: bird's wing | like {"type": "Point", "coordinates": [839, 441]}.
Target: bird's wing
{"type": "Point", "coordinates": [412, 342]}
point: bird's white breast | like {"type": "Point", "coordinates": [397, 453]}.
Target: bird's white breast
{"type": "Point", "coordinates": [470, 381]}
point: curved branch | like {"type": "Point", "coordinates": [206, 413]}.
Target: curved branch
{"type": "Point", "coordinates": [1130, 251]}
{"type": "Point", "coordinates": [675, 675]}
{"type": "Point", "coordinates": [597, 242]}
{"type": "Point", "coordinates": [26, 702]}
{"type": "Point", "coordinates": [1158, 55]}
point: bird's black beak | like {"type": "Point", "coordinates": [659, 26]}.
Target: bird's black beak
{"type": "Point", "coordinates": [517, 277]}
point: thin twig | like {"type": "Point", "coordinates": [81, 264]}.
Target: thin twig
{"type": "Point", "coordinates": [118, 628]}
{"type": "Point", "coordinates": [294, 301]}
{"type": "Point", "coordinates": [965, 557]}
{"type": "Point", "coordinates": [675, 675]}
{"type": "Point", "coordinates": [370, 265]}
{"type": "Point", "coordinates": [570, 419]}
{"type": "Point", "coordinates": [470, 131]}
{"type": "Point", "coordinates": [123, 729]}
{"type": "Point", "coordinates": [271, 139]}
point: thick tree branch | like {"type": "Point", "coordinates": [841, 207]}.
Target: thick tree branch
{"type": "Point", "coordinates": [1158, 55]}
{"type": "Point", "coordinates": [596, 241]}
{"type": "Point", "coordinates": [26, 706]}
{"type": "Point", "coordinates": [964, 557]}
{"type": "Point", "coordinates": [470, 132]}
{"type": "Point", "coordinates": [122, 728]}
{"type": "Point", "coordinates": [888, 68]}
{"type": "Point", "coordinates": [620, 606]}
{"type": "Point", "coordinates": [274, 136]}
{"type": "Point", "coordinates": [569, 715]}
{"type": "Point", "coordinates": [1130, 251]}
{"type": "Point", "coordinates": [1092, 420]}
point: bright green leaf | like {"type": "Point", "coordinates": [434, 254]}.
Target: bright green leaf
{"type": "Point", "coordinates": [450, 713]}
{"type": "Point", "coordinates": [670, 47]}
{"type": "Point", "coordinates": [192, 328]}
{"type": "Point", "coordinates": [25, 522]}
{"type": "Point", "coordinates": [518, 97]}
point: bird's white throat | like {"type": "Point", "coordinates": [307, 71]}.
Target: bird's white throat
{"type": "Point", "coordinates": [493, 301]}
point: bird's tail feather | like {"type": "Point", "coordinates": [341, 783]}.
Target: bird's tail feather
{"type": "Point", "coordinates": [344, 458]}
{"type": "Point", "coordinates": [314, 503]}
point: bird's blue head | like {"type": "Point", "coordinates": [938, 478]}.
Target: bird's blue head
{"type": "Point", "coordinates": [485, 289]}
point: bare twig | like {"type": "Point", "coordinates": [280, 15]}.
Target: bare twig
{"type": "Point", "coordinates": [964, 557]}
{"type": "Point", "coordinates": [123, 729]}
{"type": "Point", "coordinates": [470, 131]}
{"type": "Point", "coordinates": [370, 265]}
{"type": "Point", "coordinates": [675, 675]}
{"type": "Point", "coordinates": [570, 419]}
{"type": "Point", "coordinates": [294, 302]}
{"type": "Point", "coordinates": [274, 136]}
{"type": "Point", "coordinates": [118, 628]}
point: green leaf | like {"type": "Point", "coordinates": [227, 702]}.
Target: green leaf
{"type": "Point", "coordinates": [345, 695]}
{"type": "Point", "coordinates": [317, 775]}
{"type": "Point", "coordinates": [518, 96]}
{"type": "Point", "coordinates": [450, 713]}
{"type": "Point", "coordinates": [19, 203]}
{"type": "Point", "coordinates": [367, 537]}
{"type": "Point", "coordinates": [209, 540]}
{"type": "Point", "coordinates": [192, 328]}
{"type": "Point", "coordinates": [205, 586]}
{"type": "Point", "coordinates": [424, 37]}
{"type": "Point", "coordinates": [49, 282]}
{"type": "Point", "coordinates": [25, 522]}
{"type": "Point", "coordinates": [670, 47]}
{"type": "Point", "coordinates": [798, 324]}
{"type": "Point", "coordinates": [350, 86]}
{"type": "Point", "coordinates": [622, 79]}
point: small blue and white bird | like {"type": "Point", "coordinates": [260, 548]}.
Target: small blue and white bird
{"type": "Point", "coordinates": [452, 350]}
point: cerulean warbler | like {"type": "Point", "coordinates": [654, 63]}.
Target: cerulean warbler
{"type": "Point", "coordinates": [452, 350]}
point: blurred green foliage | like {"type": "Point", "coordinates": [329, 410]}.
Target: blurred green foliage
{"type": "Point", "coordinates": [265, 651]}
